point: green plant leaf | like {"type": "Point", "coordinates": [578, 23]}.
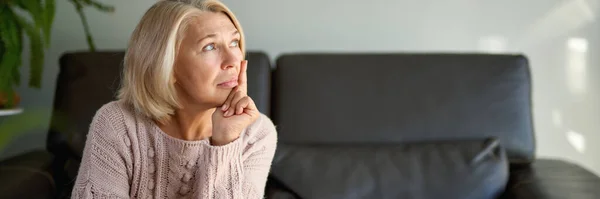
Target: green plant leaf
{"type": "Point", "coordinates": [11, 37]}
{"type": "Point", "coordinates": [49, 12]}
{"type": "Point", "coordinates": [2, 48]}
{"type": "Point", "coordinates": [42, 15]}
{"type": "Point", "coordinates": [86, 27]}
{"type": "Point", "coordinates": [35, 9]}
{"type": "Point", "coordinates": [7, 63]}
{"type": "Point", "coordinates": [10, 62]}
{"type": "Point", "coordinates": [79, 4]}
{"type": "Point", "coordinates": [9, 31]}
{"type": "Point", "coordinates": [37, 52]}
{"type": "Point", "coordinates": [102, 7]}
{"type": "Point", "coordinates": [16, 76]}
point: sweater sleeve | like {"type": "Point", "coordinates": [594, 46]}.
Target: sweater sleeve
{"type": "Point", "coordinates": [103, 172]}
{"type": "Point", "coordinates": [240, 168]}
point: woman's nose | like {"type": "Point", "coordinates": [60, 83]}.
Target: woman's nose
{"type": "Point", "coordinates": [230, 60]}
{"type": "Point", "coordinates": [227, 65]}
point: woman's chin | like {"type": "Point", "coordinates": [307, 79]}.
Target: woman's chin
{"type": "Point", "coordinates": [220, 101]}
{"type": "Point", "coordinates": [216, 99]}
{"type": "Point", "coordinates": [207, 101]}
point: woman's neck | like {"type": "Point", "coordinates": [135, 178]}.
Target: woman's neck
{"type": "Point", "coordinates": [190, 124]}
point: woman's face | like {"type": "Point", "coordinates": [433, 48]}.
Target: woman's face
{"type": "Point", "coordinates": [208, 61]}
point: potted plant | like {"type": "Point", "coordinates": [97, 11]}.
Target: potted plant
{"type": "Point", "coordinates": [15, 25]}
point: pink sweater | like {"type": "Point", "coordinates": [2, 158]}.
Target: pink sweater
{"type": "Point", "coordinates": [126, 155]}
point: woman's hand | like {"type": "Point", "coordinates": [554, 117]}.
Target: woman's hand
{"type": "Point", "coordinates": [237, 112]}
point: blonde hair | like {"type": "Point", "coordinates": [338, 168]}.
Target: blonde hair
{"type": "Point", "coordinates": [148, 81]}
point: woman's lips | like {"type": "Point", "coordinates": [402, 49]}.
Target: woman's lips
{"type": "Point", "coordinates": [229, 84]}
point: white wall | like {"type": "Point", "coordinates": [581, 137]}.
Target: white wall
{"type": "Point", "coordinates": [558, 36]}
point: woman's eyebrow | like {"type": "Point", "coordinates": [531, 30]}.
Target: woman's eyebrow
{"type": "Point", "coordinates": [206, 37]}
{"type": "Point", "coordinates": [235, 32]}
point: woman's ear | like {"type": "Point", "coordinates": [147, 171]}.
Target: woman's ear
{"type": "Point", "coordinates": [173, 79]}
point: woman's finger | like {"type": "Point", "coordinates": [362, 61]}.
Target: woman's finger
{"type": "Point", "coordinates": [234, 100]}
{"type": "Point", "coordinates": [227, 103]}
{"type": "Point", "coordinates": [243, 77]}
{"type": "Point", "coordinates": [242, 104]}
{"type": "Point", "coordinates": [251, 105]}
{"type": "Point", "coordinates": [251, 109]}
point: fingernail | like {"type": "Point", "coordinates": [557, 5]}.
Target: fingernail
{"type": "Point", "coordinates": [224, 107]}
{"type": "Point", "coordinates": [227, 113]}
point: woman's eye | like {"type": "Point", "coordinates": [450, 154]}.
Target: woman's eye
{"type": "Point", "coordinates": [209, 47]}
{"type": "Point", "coordinates": [235, 43]}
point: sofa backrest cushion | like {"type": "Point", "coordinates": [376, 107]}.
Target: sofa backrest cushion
{"type": "Point", "coordinates": [400, 98]}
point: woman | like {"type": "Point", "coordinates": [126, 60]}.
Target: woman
{"type": "Point", "coordinates": [183, 125]}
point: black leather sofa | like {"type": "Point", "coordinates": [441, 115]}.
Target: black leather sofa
{"type": "Point", "coordinates": [350, 126]}
{"type": "Point", "coordinates": [412, 126]}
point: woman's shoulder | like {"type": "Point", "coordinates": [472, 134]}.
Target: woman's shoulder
{"type": "Point", "coordinates": [262, 129]}
{"type": "Point", "coordinates": [115, 116]}
{"type": "Point", "coordinates": [114, 111]}
{"type": "Point", "coordinates": [117, 123]}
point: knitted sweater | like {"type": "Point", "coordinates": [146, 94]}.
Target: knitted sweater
{"type": "Point", "coordinates": [127, 155]}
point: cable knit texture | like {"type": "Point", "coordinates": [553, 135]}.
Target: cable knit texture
{"type": "Point", "coordinates": [127, 155]}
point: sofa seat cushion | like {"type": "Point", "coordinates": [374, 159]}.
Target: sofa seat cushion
{"type": "Point", "coordinates": [476, 169]}
{"type": "Point", "coordinates": [27, 176]}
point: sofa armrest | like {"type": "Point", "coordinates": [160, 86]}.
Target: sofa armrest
{"type": "Point", "coordinates": [27, 176]}
{"type": "Point", "coordinates": [276, 190]}
{"type": "Point", "coordinates": [550, 179]}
